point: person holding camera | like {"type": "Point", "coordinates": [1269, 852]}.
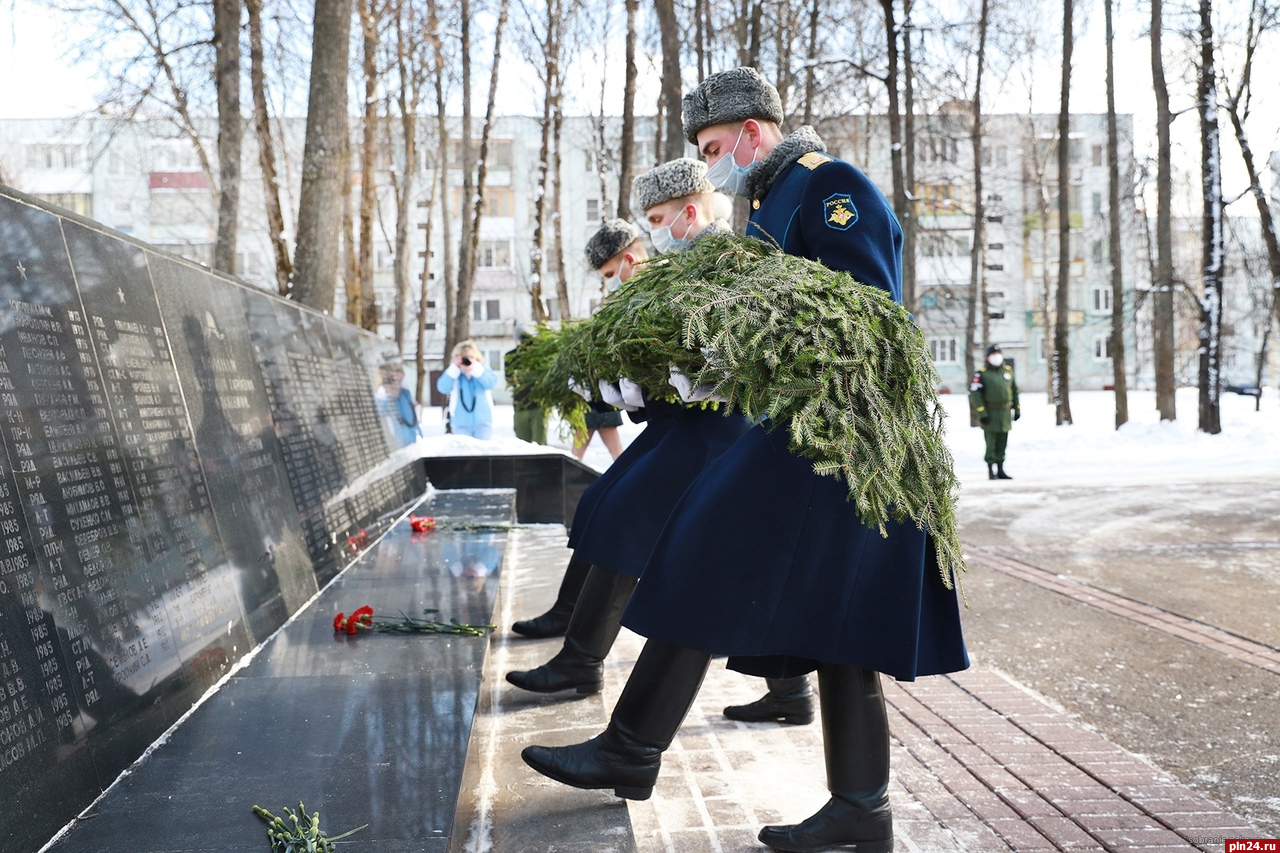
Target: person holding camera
{"type": "Point", "coordinates": [468, 385]}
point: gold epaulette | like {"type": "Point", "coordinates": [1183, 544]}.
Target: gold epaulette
{"type": "Point", "coordinates": [814, 159]}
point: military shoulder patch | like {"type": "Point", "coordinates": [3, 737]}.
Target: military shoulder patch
{"type": "Point", "coordinates": [814, 159]}
{"type": "Point", "coordinates": [839, 211]}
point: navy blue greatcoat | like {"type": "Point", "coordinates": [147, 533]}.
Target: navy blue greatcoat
{"type": "Point", "coordinates": [632, 509]}
{"type": "Point", "coordinates": [767, 562]}
{"type": "Point", "coordinates": [657, 422]}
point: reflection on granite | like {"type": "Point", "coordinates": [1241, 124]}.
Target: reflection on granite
{"type": "Point", "coordinates": [150, 525]}
{"type": "Point", "coordinates": [548, 485]}
{"type": "Point", "coordinates": [371, 728]}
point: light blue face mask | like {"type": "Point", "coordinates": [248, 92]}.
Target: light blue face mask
{"type": "Point", "coordinates": [727, 175]}
{"type": "Point", "coordinates": [612, 283]}
{"type": "Point", "coordinates": [664, 241]}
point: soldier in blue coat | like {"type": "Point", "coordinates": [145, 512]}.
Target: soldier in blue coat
{"type": "Point", "coordinates": [764, 560]}
{"type": "Point", "coordinates": [630, 513]}
{"type": "Point", "coordinates": [614, 251]}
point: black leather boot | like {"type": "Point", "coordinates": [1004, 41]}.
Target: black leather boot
{"type": "Point", "coordinates": [991, 470]}
{"type": "Point", "coordinates": [626, 755]}
{"type": "Point", "coordinates": [789, 700]}
{"type": "Point", "coordinates": [597, 618]}
{"type": "Point", "coordinates": [855, 734]}
{"type": "Point", "coordinates": [555, 621]}
{"type": "Point", "coordinates": [1000, 474]}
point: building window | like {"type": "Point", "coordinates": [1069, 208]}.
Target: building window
{"type": "Point", "coordinates": [47, 157]}
{"type": "Point", "coordinates": [1098, 251]}
{"type": "Point", "coordinates": [1097, 204]}
{"type": "Point", "coordinates": [486, 309]}
{"type": "Point", "coordinates": [1097, 155]}
{"type": "Point", "coordinates": [249, 263]}
{"type": "Point", "coordinates": [383, 258]}
{"type": "Point", "coordinates": [943, 350]}
{"type": "Point", "coordinates": [81, 203]}
{"type": "Point", "coordinates": [1102, 299]}
{"type": "Point", "coordinates": [593, 210]}
{"type": "Point", "coordinates": [1100, 346]}
{"type": "Point", "coordinates": [553, 307]}
{"type": "Point", "coordinates": [495, 253]}
{"type": "Point", "coordinates": [493, 360]}
{"type": "Point", "coordinates": [1041, 355]}
{"type": "Point", "coordinates": [943, 244]}
{"type": "Point", "coordinates": [498, 201]}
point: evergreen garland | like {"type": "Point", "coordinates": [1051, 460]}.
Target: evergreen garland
{"type": "Point", "coordinates": [529, 368]}
{"type": "Point", "coordinates": [840, 365]}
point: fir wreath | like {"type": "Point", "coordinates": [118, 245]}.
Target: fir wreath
{"type": "Point", "coordinates": [528, 368]}
{"type": "Point", "coordinates": [838, 364]}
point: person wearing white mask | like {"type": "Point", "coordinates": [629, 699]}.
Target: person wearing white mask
{"type": "Point", "coordinates": [615, 251]}
{"type": "Point", "coordinates": [993, 393]}
{"type": "Point", "coordinates": [678, 204]}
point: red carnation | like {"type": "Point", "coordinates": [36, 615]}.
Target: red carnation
{"type": "Point", "coordinates": [339, 621]}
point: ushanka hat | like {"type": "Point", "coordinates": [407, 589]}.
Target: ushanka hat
{"type": "Point", "coordinates": [614, 236]}
{"type": "Point", "coordinates": [673, 179]}
{"type": "Point", "coordinates": [733, 95]}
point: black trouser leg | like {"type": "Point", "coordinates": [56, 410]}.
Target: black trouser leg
{"type": "Point", "coordinates": [626, 755]}
{"type": "Point", "coordinates": [555, 621]}
{"type": "Point", "coordinates": [855, 736]}
{"type": "Point", "coordinates": [789, 700]}
{"type": "Point", "coordinates": [596, 620]}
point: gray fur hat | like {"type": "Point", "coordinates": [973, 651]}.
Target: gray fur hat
{"type": "Point", "coordinates": [733, 95]}
{"type": "Point", "coordinates": [673, 179]}
{"type": "Point", "coordinates": [614, 236]}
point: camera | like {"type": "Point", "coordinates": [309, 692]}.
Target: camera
{"type": "Point", "coordinates": [466, 362]}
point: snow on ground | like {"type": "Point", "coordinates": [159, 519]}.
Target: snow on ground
{"type": "Point", "coordinates": [1090, 450]}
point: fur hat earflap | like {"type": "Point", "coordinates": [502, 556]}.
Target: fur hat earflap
{"type": "Point", "coordinates": [734, 95]}
{"type": "Point", "coordinates": [614, 236]}
{"type": "Point", "coordinates": [673, 179]}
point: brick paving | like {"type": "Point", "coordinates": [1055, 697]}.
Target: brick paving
{"type": "Point", "coordinates": [979, 765]}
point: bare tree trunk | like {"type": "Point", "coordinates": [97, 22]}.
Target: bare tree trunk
{"type": "Point", "coordinates": [976, 284]}
{"type": "Point", "coordinates": [539, 249]}
{"type": "Point", "coordinates": [815, 15]}
{"type": "Point", "coordinates": [462, 317]}
{"type": "Point", "coordinates": [266, 149]}
{"type": "Point", "coordinates": [350, 254]}
{"type": "Point", "coordinates": [323, 159]}
{"type": "Point", "coordinates": [907, 216]}
{"type": "Point", "coordinates": [669, 26]}
{"type": "Point", "coordinates": [459, 323]}
{"type": "Point", "coordinates": [699, 36]}
{"type": "Point", "coordinates": [407, 99]}
{"type": "Point", "coordinates": [226, 43]}
{"type": "Point", "coordinates": [1115, 346]}
{"type": "Point", "coordinates": [438, 176]}
{"type": "Point", "coordinates": [895, 112]}
{"type": "Point", "coordinates": [442, 188]}
{"type": "Point", "coordinates": [627, 154]}
{"type": "Point", "coordinates": [557, 195]}
{"type": "Point", "coordinates": [1210, 367]}
{"type": "Point", "coordinates": [369, 15]}
{"type": "Point", "coordinates": [1061, 326]}
{"type": "Point", "coordinates": [1238, 109]}
{"type": "Point", "coordinates": [1164, 342]}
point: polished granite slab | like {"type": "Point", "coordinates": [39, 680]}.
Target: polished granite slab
{"type": "Point", "coordinates": [159, 514]}
{"type": "Point", "coordinates": [371, 728]}
{"type": "Point", "coordinates": [548, 485]}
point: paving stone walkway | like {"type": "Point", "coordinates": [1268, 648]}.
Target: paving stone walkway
{"type": "Point", "coordinates": [980, 765]}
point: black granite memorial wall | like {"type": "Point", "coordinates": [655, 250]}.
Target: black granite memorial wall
{"type": "Point", "coordinates": [185, 461]}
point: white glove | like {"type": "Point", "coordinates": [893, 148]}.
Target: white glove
{"type": "Point", "coordinates": [477, 369]}
{"type": "Point", "coordinates": [612, 394]}
{"type": "Point", "coordinates": [684, 387]}
{"type": "Point", "coordinates": [584, 393]}
{"type": "Point", "coordinates": [453, 371]}
{"type": "Point", "coordinates": [631, 393]}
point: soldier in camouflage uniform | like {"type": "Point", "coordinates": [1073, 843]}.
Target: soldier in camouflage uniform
{"type": "Point", "coordinates": [994, 394]}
